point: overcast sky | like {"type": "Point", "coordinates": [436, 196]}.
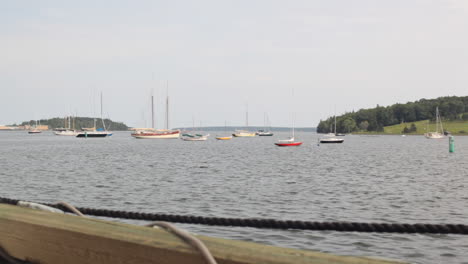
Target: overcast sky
{"type": "Point", "coordinates": [310, 58]}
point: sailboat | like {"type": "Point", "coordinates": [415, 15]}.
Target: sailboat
{"type": "Point", "coordinates": [331, 137]}
{"type": "Point", "coordinates": [244, 133]}
{"type": "Point", "coordinates": [195, 136]}
{"type": "Point", "coordinates": [67, 130]}
{"type": "Point", "coordinates": [438, 133]}
{"type": "Point", "coordinates": [157, 133]}
{"type": "Point", "coordinates": [34, 130]}
{"type": "Point", "coordinates": [224, 137]}
{"type": "Point", "coordinates": [93, 132]}
{"type": "Point", "coordinates": [289, 142]}
{"type": "Point", "coordinates": [264, 132]}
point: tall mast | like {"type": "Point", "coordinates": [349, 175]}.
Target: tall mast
{"type": "Point", "coordinates": [294, 116]}
{"type": "Point", "coordinates": [152, 111]}
{"type": "Point", "coordinates": [335, 124]}
{"type": "Point", "coordinates": [167, 104]}
{"type": "Point", "coordinates": [247, 115]}
{"type": "Point", "coordinates": [102, 120]}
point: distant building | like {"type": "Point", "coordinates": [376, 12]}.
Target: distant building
{"type": "Point", "coordinates": [7, 127]}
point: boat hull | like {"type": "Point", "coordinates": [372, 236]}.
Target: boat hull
{"type": "Point", "coordinates": [434, 135]}
{"type": "Point", "coordinates": [265, 134]}
{"type": "Point", "coordinates": [244, 135]}
{"type": "Point", "coordinates": [223, 138]}
{"type": "Point", "coordinates": [332, 141]}
{"type": "Point", "coordinates": [66, 133]}
{"type": "Point", "coordinates": [195, 139]}
{"type": "Point", "coordinates": [93, 134]}
{"type": "Point", "coordinates": [288, 144]}
{"type": "Point", "coordinates": [157, 135]}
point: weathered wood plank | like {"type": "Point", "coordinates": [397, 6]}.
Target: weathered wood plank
{"type": "Point", "coordinates": [45, 237]}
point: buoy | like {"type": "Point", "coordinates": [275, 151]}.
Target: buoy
{"type": "Point", "coordinates": [451, 144]}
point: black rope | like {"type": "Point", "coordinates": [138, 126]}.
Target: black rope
{"type": "Point", "coordinates": [272, 223]}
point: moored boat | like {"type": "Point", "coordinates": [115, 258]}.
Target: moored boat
{"type": "Point", "coordinates": [439, 133]}
{"type": "Point", "coordinates": [93, 132]}
{"type": "Point", "coordinates": [243, 133]}
{"type": "Point", "coordinates": [331, 137]}
{"type": "Point", "coordinates": [67, 130]}
{"type": "Point", "coordinates": [158, 133]}
{"type": "Point", "coordinates": [224, 138]}
{"type": "Point", "coordinates": [331, 140]}
{"type": "Point", "coordinates": [34, 131]}
{"type": "Point", "coordinates": [288, 143]}
{"type": "Point", "coordinates": [196, 138]}
{"type": "Point", "coordinates": [263, 133]}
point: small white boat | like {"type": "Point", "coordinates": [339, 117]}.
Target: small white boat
{"type": "Point", "coordinates": [243, 133]}
{"type": "Point", "coordinates": [331, 140]}
{"type": "Point", "coordinates": [196, 138]}
{"type": "Point", "coordinates": [439, 133]}
{"type": "Point", "coordinates": [331, 137]}
{"type": "Point", "coordinates": [66, 132]}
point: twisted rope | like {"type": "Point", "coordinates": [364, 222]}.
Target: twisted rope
{"type": "Point", "coordinates": [272, 223]}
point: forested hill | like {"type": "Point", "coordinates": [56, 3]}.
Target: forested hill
{"type": "Point", "coordinates": [375, 119]}
{"type": "Point", "coordinates": [79, 123]}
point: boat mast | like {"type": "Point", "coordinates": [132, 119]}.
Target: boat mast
{"type": "Point", "coordinates": [152, 111]}
{"type": "Point", "coordinates": [102, 120]}
{"type": "Point", "coordinates": [247, 116]}
{"type": "Point", "coordinates": [293, 125]}
{"type": "Point", "coordinates": [167, 104]}
{"type": "Point", "coordinates": [335, 124]}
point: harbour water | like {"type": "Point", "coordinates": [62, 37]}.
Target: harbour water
{"type": "Point", "coordinates": [390, 179]}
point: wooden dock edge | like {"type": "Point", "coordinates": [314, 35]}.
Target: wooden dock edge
{"type": "Point", "coordinates": [44, 237]}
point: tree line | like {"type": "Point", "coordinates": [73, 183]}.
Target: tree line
{"type": "Point", "coordinates": [79, 123]}
{"type": "Point", "coordinates": [375, 119]}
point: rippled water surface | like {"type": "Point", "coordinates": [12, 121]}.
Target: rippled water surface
{"type": "Point", "coordinates": [388, 179]}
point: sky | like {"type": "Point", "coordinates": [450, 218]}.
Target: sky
{"type": "Point", "coordinates": [289, 60]}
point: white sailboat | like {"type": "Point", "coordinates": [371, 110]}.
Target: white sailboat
{"type": "Point", "coordinates": [244, 133]}
{"type": "Point", "coordinates": [67, 130]}
{"type": "Point", "coordinates": [331, 137]}
{"type": "Point", "coordinates": [265, 132]}
{"type": "Point", "coordinates": [439, 133]}
{"type": "Point", "coordinates": [157, 133]}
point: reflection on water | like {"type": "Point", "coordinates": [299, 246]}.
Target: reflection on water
{"type": "Point", "coordinates": [367, 179]}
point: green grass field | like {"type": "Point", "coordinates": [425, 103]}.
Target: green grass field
{"type": "Point", "coordinates": [455, 127]}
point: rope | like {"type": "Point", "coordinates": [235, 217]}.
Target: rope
{"type": "Point", "coordinates": [275, 224]}
{"type": "Point", "coordinates": [191, 240]}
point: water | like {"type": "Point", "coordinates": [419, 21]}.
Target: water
{"type": "Point", "coordinates": [389, 179]}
